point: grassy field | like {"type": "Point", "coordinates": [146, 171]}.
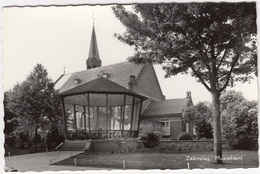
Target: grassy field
{"type": "Point", "coordinates": [154, 160]}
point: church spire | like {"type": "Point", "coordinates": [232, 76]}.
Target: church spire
{"type": "Point", "coordinates": [93, 60]}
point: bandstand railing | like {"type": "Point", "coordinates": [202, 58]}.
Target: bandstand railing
{"type": "Point", "coordinates": [102, 134]}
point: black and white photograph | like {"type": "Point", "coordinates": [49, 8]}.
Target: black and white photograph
{"type": "Point", "coordinates": [112, 85]}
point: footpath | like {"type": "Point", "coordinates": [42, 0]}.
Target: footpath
{"type": "Point", "coordinates": [40, 162]}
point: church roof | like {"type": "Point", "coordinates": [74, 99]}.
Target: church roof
{"type": "Point", "coordinates": [99, 85]}
{"type": "Point", "coordinates": [167, 107]}
{"type": "Point", "coordinates": [118, 73]}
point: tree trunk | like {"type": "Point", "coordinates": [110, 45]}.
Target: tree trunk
{"type": "Point", "coordinates": [35, 136]}
{"type": "Point", "coordinates": [216, 127]}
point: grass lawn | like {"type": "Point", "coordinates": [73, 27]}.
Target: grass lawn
{"type": "Point", "coordinates": [156, 160]}
{"type": "Point", "coordinates": [13, 152]}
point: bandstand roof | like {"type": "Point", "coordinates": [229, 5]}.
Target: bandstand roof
{"type": "Point", "coordinates": [100, 85]}
{"type": "Point", "coordinates": [118, 73]}
{"type": "Point", "coordinates": [98, 88]}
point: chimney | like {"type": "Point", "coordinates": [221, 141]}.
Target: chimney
{"type": "Point", "coordinates": [131, 83]}
{"type": "Point", "coordinates": [188, 94]}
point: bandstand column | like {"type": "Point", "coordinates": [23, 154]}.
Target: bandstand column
{"type": "Point", "coordinates": [97, 121]}
{"type": "Point", "coordinates": [132, 116]}
{"type": "Point", "coordinates": [85, 121]}
{"type": "Point", "coordinates": [64, 118]}
{"type": "Point", "coordinates": [140, 112]}
{"type": "Point", "coordinates": [106, 114]}
{"type": "Point", "coordinates": [89, 128]}
{"type": "Point", "coordinates": [75, 120]}
{"type": "Point", "coordinates": [121, 118]}
{"type": "Point", "coordinates": [123, 115]}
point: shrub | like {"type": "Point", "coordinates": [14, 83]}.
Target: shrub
{"type": "Point", "coordinates": [53, 138]}
{"type": "Point", "coordinates": [23, 137]}
{"type": "Point", "coordinates": [10, 141]}
{"type": "Point", "coordinates": [242, 142]}
{"type": "Point", "coordinates": [40, 147]}
{"type": "Point", "coordinates": [32, 139]}
{"type": "Point", "coordinates": [61, 139]}
{"type": "Point", "coordinates": [151, 140]}
{"type": "Point", "coordinates": [185, 136]}
{"type": "Point", "coordinates": [195, 137]}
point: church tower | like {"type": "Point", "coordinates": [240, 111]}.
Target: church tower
{"type": "Point", "coordinates": [93, 60]}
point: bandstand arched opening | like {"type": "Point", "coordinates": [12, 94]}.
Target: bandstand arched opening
{"type": "Point", "coordinates": [101, 109]}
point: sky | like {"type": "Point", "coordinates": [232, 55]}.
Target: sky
{"type": "Point", "coordinates": [59, 38]}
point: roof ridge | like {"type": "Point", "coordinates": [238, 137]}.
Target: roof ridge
{"type": "Point", "coordinates": [171, 99]}
{"type": "Point", "coordinates": [140, 72]}
{"type": "Point", "coordinates": [98, 67]}
{"type": "Point", "coordinates": [177, 98]}
{"type": "Point", "coordinates": [156, 78]}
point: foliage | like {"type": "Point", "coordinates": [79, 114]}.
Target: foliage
{"type": "Point", "coordinates": [21, 139]}
{"type": "Point", "coordinates": [34, 102]}
{"type": "Point", "coordinates": [151, 140]}
{"type": "Point", "coordinates": [239, 120]}
{"type": "Point", "coordinates": [185, 136]}
{"type": "Point", "coordinates": [243, 142]}
{"type": "Point", "coordinates": [215, 42]}
{"type": "Point", "coordinates": [40, 147]}
{"type": "Point", "coordinates": [201, 117]}
{"type": "Point", "coordinates": [10, 141]}
{"type": "Point", "coordinates": [231, 97]}
{"type": "Point", "coordinates": [32, 138]}
{"type": "Point", "coordinates": [53, 138]}
{"type": "Point", "coordinates": [196, 36]}
{"type": "Point", "coordinates": [10, 118]}
{"type": "Point", "coordinates": [24, 137]}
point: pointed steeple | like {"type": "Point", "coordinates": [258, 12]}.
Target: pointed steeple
{"type": "Point", "coordinates": [93, 60]}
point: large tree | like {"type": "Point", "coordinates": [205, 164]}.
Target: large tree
{"type": "Point", "coordinates": [34, 102]}
{"type": "Point", "coordinates": [212, 41]}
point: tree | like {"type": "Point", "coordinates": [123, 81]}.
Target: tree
{"type": "Point", "coordinates": [231, 97]}
{"type": "Point", "coordinates": [201, 117]}
{"type": "Point", "coordinates": [10, 118]}
{"type": "Point", "coordinates": [239, 120]}
{"type": "Point", "coordinates": [34, 102]}
{"type": "Point", "coordinates": [211, 41]}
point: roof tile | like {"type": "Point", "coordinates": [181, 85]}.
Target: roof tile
{"type": "Point", "coordinates": [166, 107]}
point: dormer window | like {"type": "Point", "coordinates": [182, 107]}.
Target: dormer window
{"type": "Point", "coordinates": [103, 74]}
{"type": "Point", "coordinates": [77, 80]}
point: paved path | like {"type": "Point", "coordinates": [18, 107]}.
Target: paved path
{"type": "Point", "coordinates": [40, 162]}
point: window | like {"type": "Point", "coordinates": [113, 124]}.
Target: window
{"type": "Point", "coordinates": [187, 127]}
{"type": "Point", "coordinates": [166, 127]}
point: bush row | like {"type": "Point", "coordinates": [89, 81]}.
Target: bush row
{"type": "Point", "coordinates": [151, 140]}
{"type": "Point", "coordinates": [23, 141]}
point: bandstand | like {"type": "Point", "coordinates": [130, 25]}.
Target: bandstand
{"type": "Point", "coordinates": [101, 109]}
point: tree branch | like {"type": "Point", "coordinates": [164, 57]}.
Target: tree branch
{"type": "Point", "coordinates": [222, 59]}
{"type": "Point", "coordinates": [229, 74]}
{"type": "Point", "coordinates": [200, 78]}
{"type": "Point", "coordinates": [205, 59]}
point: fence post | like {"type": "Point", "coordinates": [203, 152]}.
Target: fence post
{"type": "Point", "coordinates": [124, 164]}
{"type": "Point", "coordinates": [75, 161]}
